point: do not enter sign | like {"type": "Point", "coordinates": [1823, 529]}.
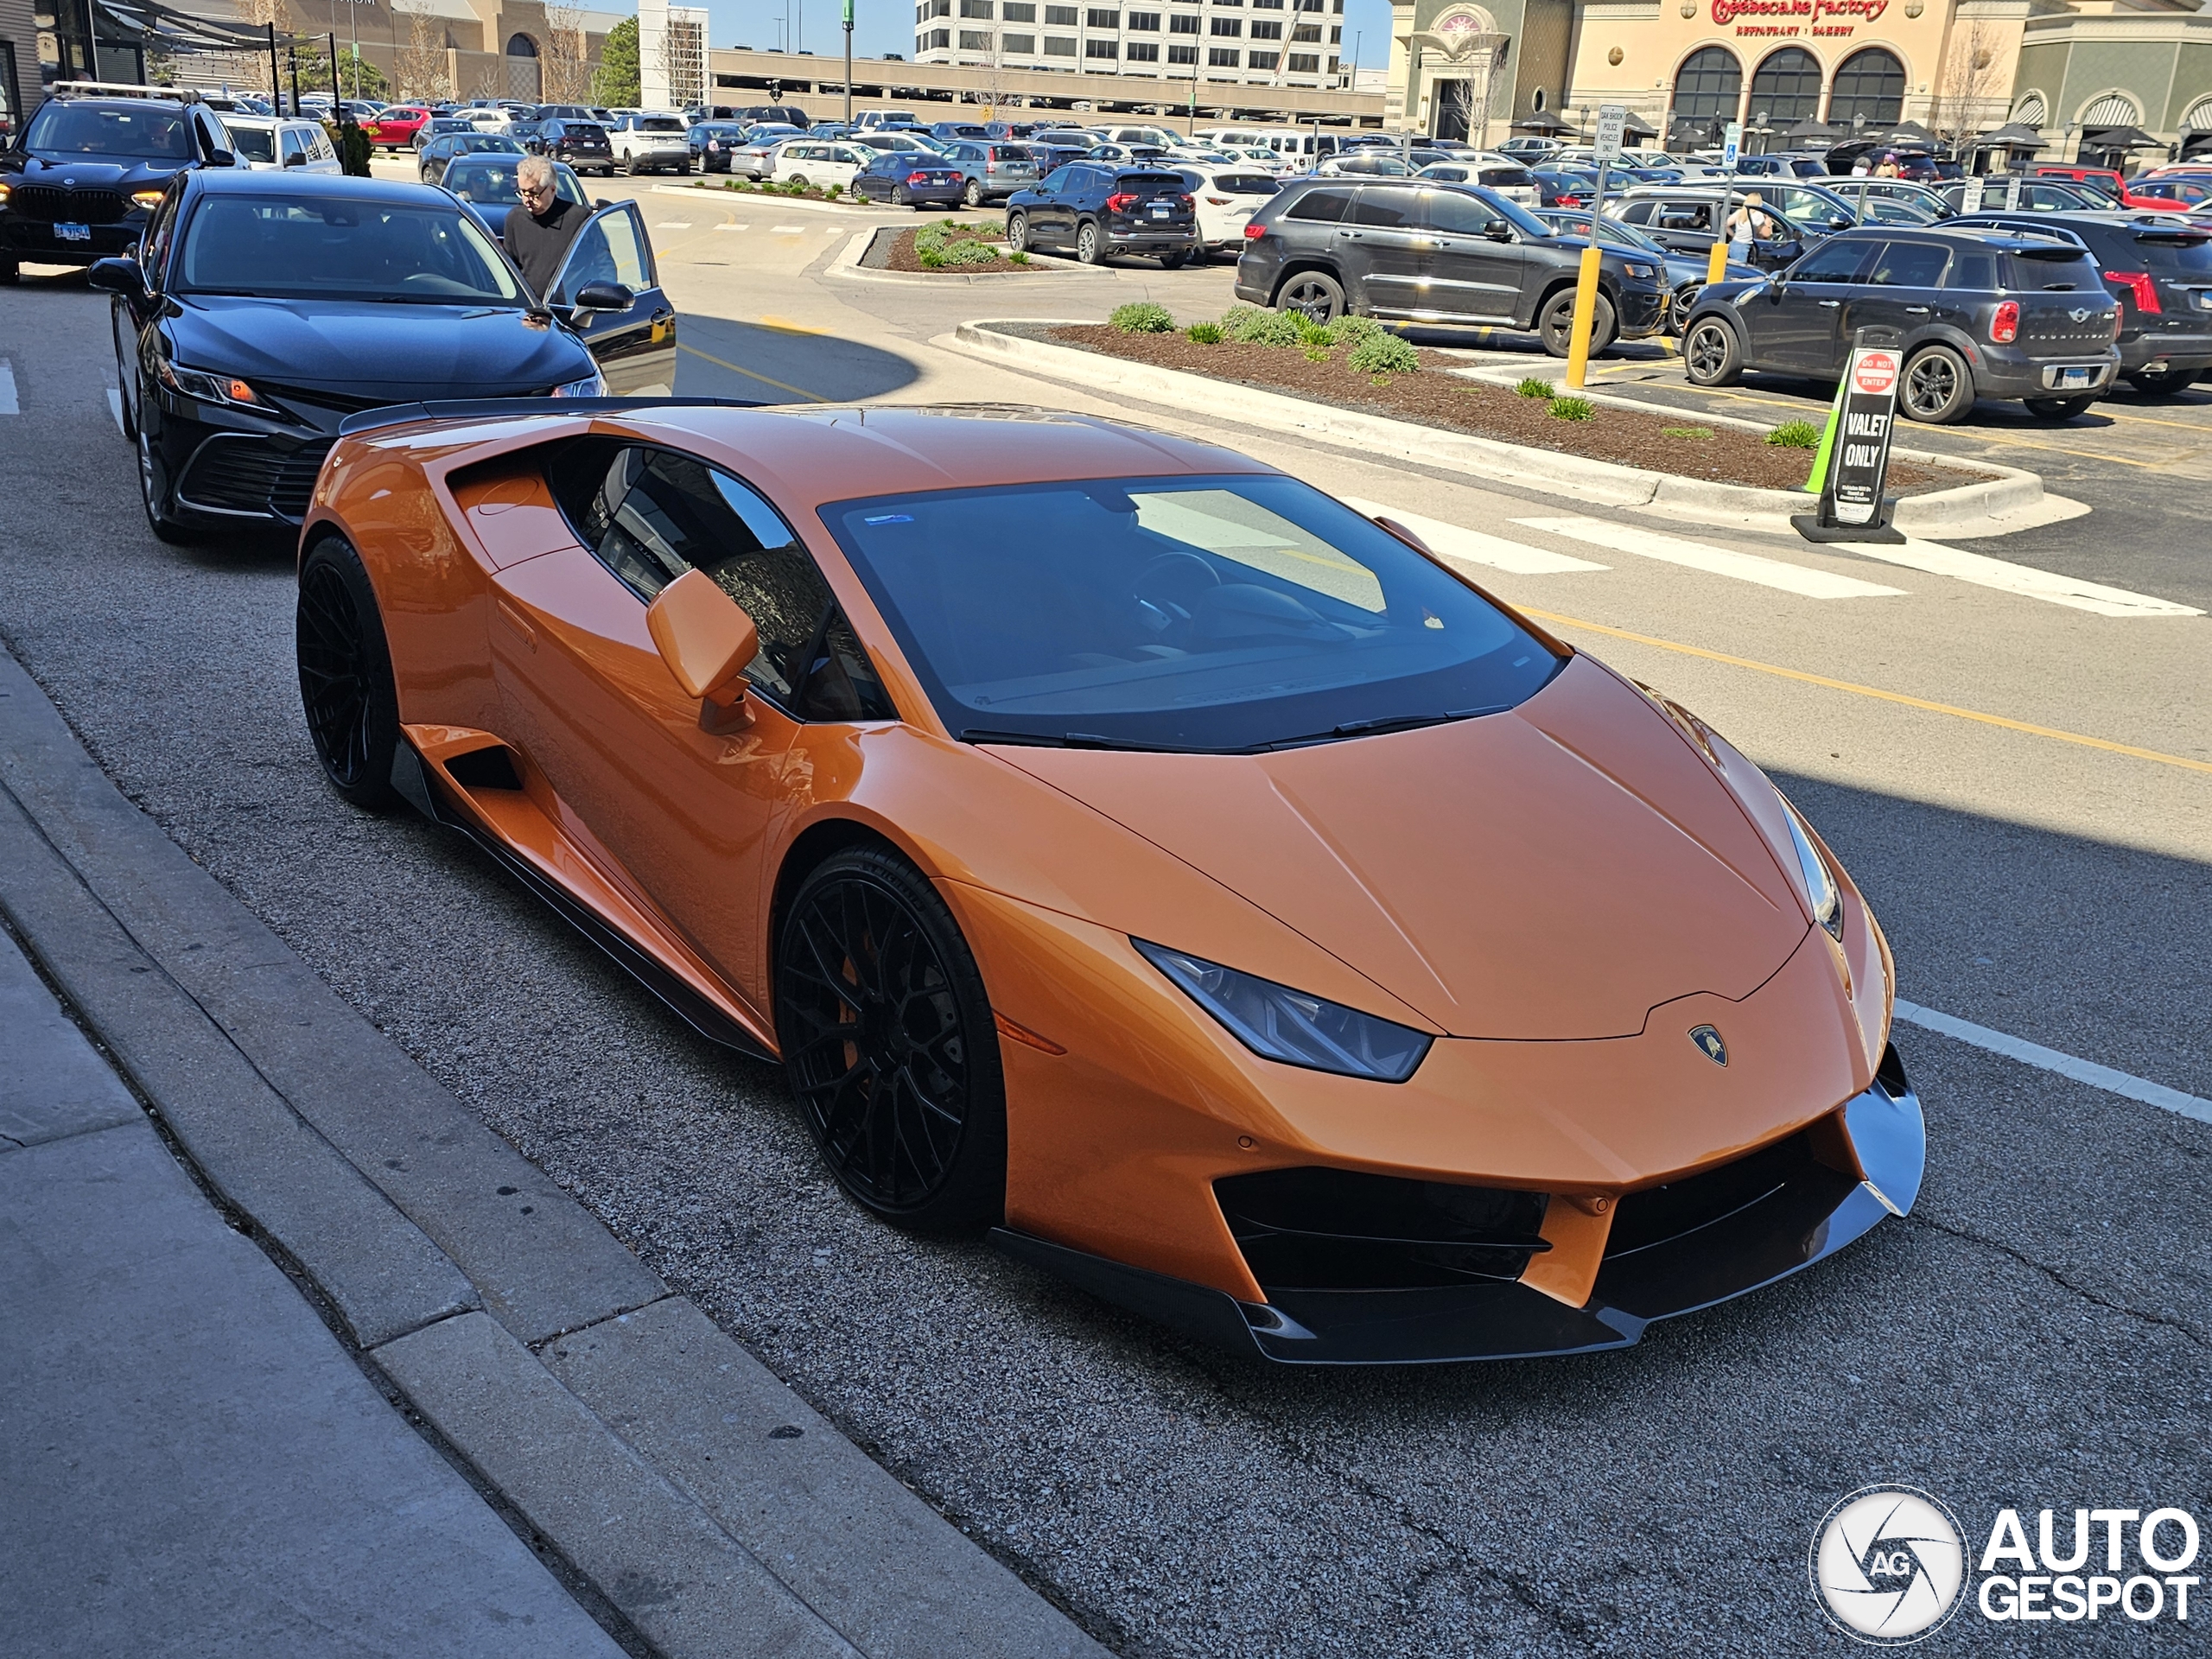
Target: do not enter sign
{"type": "Point", "coordinates": [1874, 373]}
{"type": "Point", "coordinates": [1857, 451]}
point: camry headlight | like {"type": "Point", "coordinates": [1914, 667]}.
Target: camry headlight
{"type": "Point", "coordinates": [1820, 890]}
{"type": "Point", "coordinates": [1281, 1024]}
{"type": "Point", "coordinates": [210, 388]}
{"type": "Point", "coordinates": [592, 385]}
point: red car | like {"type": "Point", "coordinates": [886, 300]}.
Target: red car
{"type": "Point", "coordinates": [2104, 178]}
{"type": "Point", "coordinates": [394, 127]}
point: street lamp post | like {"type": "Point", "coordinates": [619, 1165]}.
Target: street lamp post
{"type": "Point", "coordinates": [849, 65]}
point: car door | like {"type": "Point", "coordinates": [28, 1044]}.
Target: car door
{"type": "Point", "coordinates": [1896, 292]}
{"type": "Point", "coordinates": [1470, 272]}
{"type": "Point", "coordinates": [1078, 185]}
{"type": "Point", "coordinates": [634, 346]}
{"type": "Point", "coordinates": [1383, 248]}
{"type": "Point", "coordinates": [1793, 325]}
{"type": "Point", "coordinates": [1683, 225]}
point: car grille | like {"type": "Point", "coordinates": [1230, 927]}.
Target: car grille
{"type": "Point", "coordinates": [243, 474]}
{"type": "Point", "coordinates": [53, 205]}
{"type": "Point", "coordinates": [1315, 1229]}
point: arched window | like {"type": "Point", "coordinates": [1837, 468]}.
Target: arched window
{"type": "Point", "coordinates": [1707, 89]}
{"type": "Point", "coordinates": [2199, 119]}
{"type": "Point", "coordinates": [521, 46]}
{"type": "Point", "coordinates": [1786, 89]}
{"type": "Point", "coordinates": [2112, 109]}
{"type": "Point", "coordinates": [2032, 112]}
{"type": "Point", "coordinates": [1869, 84]}
{"type": "Point", "coordinates": [523, 80]}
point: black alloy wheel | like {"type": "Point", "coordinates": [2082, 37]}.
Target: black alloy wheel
{"type": "Point", "coordinates": [1711, 354]}
{"type": "Point", "coordinates": [345, 684]}
{"type": "Point", "coordinates": [1314, 294]}
{"type": "Point", "coordinates": [1938, 387]}
{"type": "Point", "coordinates": [890, 1045]}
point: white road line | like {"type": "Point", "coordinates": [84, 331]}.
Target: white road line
{"type": "Point", "coordinates": [787, 229]}
{"type": "Point", "coordinates": [115, 408]}
{"type": "Point", "coordinates": [2049, 1059]}
{"type": "Point", "coordinates": [732, 227]}
{"type": "Point", "coordinates": [8, 404]}
{"type": "Point", "coordinates": [1473, 546]}
{"type": "Point", "coordinates": [1985, 572]}
{"type": "Point", "coordinates": [673, 224]}
{"type": "Point", "coordinates": [1715, 560]}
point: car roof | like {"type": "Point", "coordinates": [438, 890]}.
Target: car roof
{"type": "Point", "coordinates": [247, 181]}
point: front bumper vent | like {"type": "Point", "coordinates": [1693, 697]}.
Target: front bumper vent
{"type": "Point", "coordinates": [1315, 1229]}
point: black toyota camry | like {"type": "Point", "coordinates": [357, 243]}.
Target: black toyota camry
{"type": "Point", "coordinates": [265, 308]}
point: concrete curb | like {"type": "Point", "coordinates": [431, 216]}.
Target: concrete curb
{"type": "Point", "coordinates": [453, 1263]}
{"type": "Point", "coordinates": [847, 267]}
{"type": "Point", "coordinates": [1572, 477]}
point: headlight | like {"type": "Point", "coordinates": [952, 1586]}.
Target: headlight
{"type": "Point", "coordinates": [148, 199]}
{"type": "Point", "coordinates": [6, 189]}
{"type": "Point", "coordinates": [1820, 886]}
{"type": "Point", "coordinates": [1281, 1024]}
{"type": "Point", "coordinates": [209, 388]}
{"type": "Point", "coordinates": [1642, 273]}
{"type": "Point", "coordinates": [592, 385]}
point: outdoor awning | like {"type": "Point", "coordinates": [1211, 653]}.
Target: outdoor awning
{"type": "Point", "coordinates": [1813, 132]}
{"type": "Point", "coordinates": [162, 28]}
{"type": "Point", "coordinates": [1637, 127]}
{"type": "Point", "coordinates": [1542, 121]}
{"type": "Point", "coordinates": [1909, 133]}
{"type": "Point", "coordinates": [2012, 135]}
{"type": "Point", "coordinates": [2119, 139]}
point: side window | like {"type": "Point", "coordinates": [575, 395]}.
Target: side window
{"type": "Point", "coordinates": [1326, 205]}
{"type": "Point", "coordinates": [657, 514]}
{"type": "Point", "coordinates": [1637, 212]}
{"type": "Point", "coordinates": [606, 249]}
{"type": "Point", "coordinates": [296, 146]}
{"type": "Point", "coordinates": [1839, 260]}
{"type": "Point", "coordinates": [156, 252]}
{"type": "Point", "coordinates": [1682, 216]}
{"type": "Point", "coordinates": [1386, 208]}
{"type": "Point", "coordinates": [1450, 213]}
{"type": "Point", "coordinates": [1909, 264]}
{"type": "Point", "coordinates": [1977, 271]}
{"type": "Point", "coordinates": [1058, 178]}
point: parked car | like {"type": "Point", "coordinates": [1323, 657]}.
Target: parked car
{"type": "Point", "coordinates": [756, 158]}
{"type": "Point", "coordinates": [439, 154]}
{"type": "Point", "coordinates": [1685, 273]}
{"type": "Point", "coordinates": [583, 144]}
{"type": "Point", "coordinates": [2184, 192]}
{"type": "Point", "coordinates": [2014, 193]}
{"type": "Point", "coordinates": [780, 114]}
{"type": "Point", "coordinates": [1096, 210]}
{"type": "Point", "coordinates": [1978, 311]}
{"type": "Point", "coordinates": [903, 143]}
{"type": "Point", "coordinates": [804, 161]}
{"type": "Point", "coordinates": [1783, 165]}
{"type": "Point", "coordinates": [244, 341]}
{"type": "Point", "coordinates": [886, 120]}
{"type": "Point", "coordinates": [276, 142]}
{"type": "Point", "coordinates": [1685, 217]}
{"type": "Point", "coordinates": [487, 184]}
{"type": "Point", "coordinates": [1558, 189]}
{"type": "Point", "coordinates": [1442, 253]}
{"type": "Point", "coordinates": [1500, 174]}
{"type": "Point", "coordinates": [993, 169]}
{"type": "Point", "coordinates": [949, 132]}
{"type": "Point", "coordinates": [710, 142]}
{"type": "Point", "coordinates": [88, 171]}
{"type": "Point", "coordinates": [394, 126]}
{"type": "Point", "coordinates": [1531, 151]}
{"type": "Point", "coordinates": [1890, 201]}
{"type": "Point", "coordinates": [1225, 197]}
{"type": "Point", "coordinates": [908, 180]}
{"type": "Point", "coordinates": [440, 126]}
{"type": "Point", "coordinates": [650, 143]}
{"type": "Point", "coordinates": [2103, 181]}
{"type": "Point", "coordinates": [2159, 269]}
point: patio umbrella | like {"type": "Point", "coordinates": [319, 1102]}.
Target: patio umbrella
{"type": "Point", "coordinates": [2011, 136]}
{"type": "Point", "coordinates": [1542, 121]}
{"type": "Point", "coordinates": [1637, 127]}
{"type": "Point", "coordinates": [2119, 139]}
{"type": "Point", "coordinates": [1809, 132]}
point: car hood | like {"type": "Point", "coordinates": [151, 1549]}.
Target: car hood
{"type": "Point", "coordinates": [404, 352]}
{"type": "Point", "coordinates": [89, 175]}
{"type": "Point", "coordinates": [1553, 872]}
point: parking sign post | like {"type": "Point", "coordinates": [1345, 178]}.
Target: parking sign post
{"type": "Point", "coordinates": [1612, 123]}
{"type": "Point", "coordinates": [1852, 507]}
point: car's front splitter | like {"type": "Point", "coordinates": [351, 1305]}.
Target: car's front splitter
{"type": "Point", "coordinates": [1809, 1213]}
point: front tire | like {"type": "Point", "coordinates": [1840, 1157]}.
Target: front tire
{"type": "Point", "coordinates": [1174, 261]}
{"type": "Point", "coordinates": [2058, 409]}
{"type": "Point", "coordinates": [1314, 294]}
{"type": "Point", "coordinates": [1555, 328]}
{"type": "Point", "coordinates": [890, 1045]}
{"type": "Point", "coordinates": [1712, 355]}
{"type": "Point", "coordinates": [153, 491]}
{"type": "Point", "coordinates": [126, 375]}
{"type": "Point", "coordinates": [1017, 234]}
{"type": "Point", "coordinates": [1938, 387]}
{"type": "Point", "coordinates": [344, 668]}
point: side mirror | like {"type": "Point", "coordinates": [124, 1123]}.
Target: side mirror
{"type": "Point", "coordinates": [1839, 222]}
{"type": "Point", "coordinates": [604, 296]}
{"type": "Point", "coordinates": [1498, 230]}
{"type": "Point", "coordinates": [295, 159]}
{"type": "Point", "coordinates": [120, 275]}
{"type": "Point", "coordinates": [706, 639]}
{"type": "Point", "coordinates": [221, 158]}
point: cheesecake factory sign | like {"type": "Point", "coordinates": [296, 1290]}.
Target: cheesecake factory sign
{"type": "Point", "coordinates": [1812, 17]}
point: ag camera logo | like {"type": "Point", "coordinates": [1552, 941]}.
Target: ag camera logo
{"type": "Point", "coordinates": [1888, 1564]}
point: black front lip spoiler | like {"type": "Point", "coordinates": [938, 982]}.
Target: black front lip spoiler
{"type": "Point", "coordinates": [1766, 1241]}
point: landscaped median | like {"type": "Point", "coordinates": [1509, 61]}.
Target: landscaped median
{"type": "Point", "coordinates": [1361, 386]}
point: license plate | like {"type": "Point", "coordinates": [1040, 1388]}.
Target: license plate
{"type": "Point", "coordinates": [2074, 376]}
{"type": "Point", "coordinates": [1160, 213]}
{"type": "Point", "coordinates": [73, 232]}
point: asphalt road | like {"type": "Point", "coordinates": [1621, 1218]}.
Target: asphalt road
{"type": "Point", "coordinates": [2034, 1335]}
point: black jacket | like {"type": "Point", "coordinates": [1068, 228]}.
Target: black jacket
{"type": "Point", "coordinates": [537, 243]}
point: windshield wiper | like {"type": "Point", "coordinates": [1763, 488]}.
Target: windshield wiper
{"type": "Point", "coordinates": [1370, 727]}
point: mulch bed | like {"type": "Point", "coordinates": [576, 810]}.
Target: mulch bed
{"type": "Point", "coordinates": [902, 257]}
{"type": "Point", "coordinates": [1434, 396]}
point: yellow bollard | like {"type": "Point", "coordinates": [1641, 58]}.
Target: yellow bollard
{"type": "Point", "coordinates": [1586, 313]}
{"type": "Point", "coordinates": [1716, 267]}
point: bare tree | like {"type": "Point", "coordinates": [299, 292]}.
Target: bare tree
{"type": "Point", "coordinates": [567, 64]}
{"type": "Point", "coordinates": [1970, 94]}
{"type": "Point", "coordinates": [420, 65]}
{"type": "Point", "coordinates": [491, 77]}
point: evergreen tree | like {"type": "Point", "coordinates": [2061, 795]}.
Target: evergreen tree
{"type": "Point", "coordinates": [614, 83]}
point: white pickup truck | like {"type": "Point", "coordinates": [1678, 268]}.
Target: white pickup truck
{"type": "Point", "coordinates": [647, 143]}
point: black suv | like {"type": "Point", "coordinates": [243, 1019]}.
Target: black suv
{"type": "Point", "coordinates": [2159, 267]}
{"type": "Point", "coordinates": [80, 182]}
{"type": "Point", "coordinates": [1980, 312]}
{"type": "Point", "coordinates": [1426, 250]}
{"type": "Point", "coordinates": [1098, 209]}
{"type": "Point", "coordinates": [583, 144]}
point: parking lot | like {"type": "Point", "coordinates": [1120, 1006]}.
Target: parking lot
{"type": "Point", "coordinates": [2022, 788]}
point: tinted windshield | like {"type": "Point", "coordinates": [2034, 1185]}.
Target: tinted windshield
{"type": "Point", "coordinates": [2176, 256]}
{"type": "Point", "coordinates": [1218, 613]}
{"type": "Point", "coordinates": [659, 124]}
{"type": "Point", "coordinates": [1610, 231]}
{"type": "Point", "coordinates": [489, 182]}
{"type": "Point", "coordinates": [141, 132]}
{"type": "Point", "coordinates": [2061, 270]}
{"type": "Point", "coordinates": [299, 247]}
{"type": "Point", "coordinates": [253, 144]}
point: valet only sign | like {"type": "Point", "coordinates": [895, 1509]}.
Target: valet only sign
{"type": "Point", "coordinates": [1854, 455]}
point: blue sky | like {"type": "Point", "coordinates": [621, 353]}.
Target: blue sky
{"type": "Point", "coordinates": [881, 26]}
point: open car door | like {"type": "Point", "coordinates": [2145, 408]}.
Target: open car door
{"type": "Point", "coordinates": [633, 341]}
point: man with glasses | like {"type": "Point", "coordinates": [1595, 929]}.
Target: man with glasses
{"type": "Point", "coordinates": [539, 230]}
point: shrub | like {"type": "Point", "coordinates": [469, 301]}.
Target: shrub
{"type": "Point", "coordinates": [1314, 336]}
{"type": "Point", "coordinates": [1317, 352]}
{"type": "Point", "coordinates": [1349, 330]}
{"type": "Point", "coordinates": [947, 243]}
{"type": "Point", "coordinates": [1533, 387]}
{"type": "Point", "coordinates": [833, 193]}
{"type": "Point", "coordinates": [1203, 333]}
{"type": "Point", "coordinates": [930, 258]}
{"type": "Point", "coordinates": [1237, 318]}
{"type": "Point", "coordinates": [1018, 257]}
{"type": "Point", "coordinates": [1141, 317]}
{"type": "Point", "coordinates": [1795, 434]}
{"type": "Point", "coordinates": [1383, 353]}
{"type": "Point", "coordinates": [1266, 327]}
{"type": "Point", "coordinates": [1573, 408]}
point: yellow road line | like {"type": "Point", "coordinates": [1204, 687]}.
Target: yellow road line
{"type": "Point", "coordinates": [785, 326]}
{"type": "Point", "coordinates": [1875, 691]}
{"type": "Point", "coordinates": [750, 374]}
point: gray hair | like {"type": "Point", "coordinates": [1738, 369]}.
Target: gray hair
{"type": "Point", "coordinates": [535, 170]}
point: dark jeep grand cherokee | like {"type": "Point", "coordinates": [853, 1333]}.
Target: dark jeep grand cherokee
{"type": "Point", "coordinates": [1425, 250]}
{"type": "Point", "coordinates": [80, 182]}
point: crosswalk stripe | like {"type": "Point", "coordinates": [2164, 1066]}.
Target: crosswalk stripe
{"type": "Point", "coordinates": [2007, 577]}
{"type": "Point", "coordinates": [673, 224]}
{"type": "Point", "coordinates": [787, 229]}
{"type": "Point", "coordinates": [1474, 547]}
{"type": "Point", "coordinates": [8, 404]}
{"type": "Point", "coordinates": [1715, 560]}
{"type": "Point", "coordinates": [732, 227]}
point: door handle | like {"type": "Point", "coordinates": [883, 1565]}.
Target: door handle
{"type": "Point", "coordinates": [1830, 305]}
{"type": "Point", "coordinates": [1915, 310]}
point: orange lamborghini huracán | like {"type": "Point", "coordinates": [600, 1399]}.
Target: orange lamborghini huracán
{"type": "Point", "coordinates": [1131, 850]}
